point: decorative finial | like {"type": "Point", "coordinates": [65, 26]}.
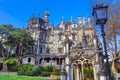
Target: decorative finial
{"type": "Point", "coordinates": [47, 12]}
{"type": "Point", "coordinates": [80, 20]}
{"type": "Point", "coordinates": [89, 22]}
{"type": "Point", "coordinates": [84, 22]}
{"type": "Point", "coordinates": [62, 19]}
{"type": "Point", "coordinates": [38, 14]}
{"type": "Point", "coordinates": [32, 15]}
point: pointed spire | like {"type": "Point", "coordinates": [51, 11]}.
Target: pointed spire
{"type": "Point", "coordinates": [38, 15]}
{"type": "Point", "coordinates": [46, 12]}
{"type": "Point", "coordinates": [84, 22]}
{"type": "Point", "coordinates": [89, 22]}
{"type": "Point", "coordinates": [46, 17]}
{"type": "Point", "coordinates": [62, 20]}
{"type": "Point", "coordinates": [32, 15]}
{"type": "Point", "coordinates": [71, 19]}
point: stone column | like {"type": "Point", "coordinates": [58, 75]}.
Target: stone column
{"type": "Point", "coordinates": [77, 73]}
{"type": "Point", "coordinates": [80, 75]}
{"type": "Point", "coordinates": [101, 75]}
{"type": "Point", "coordinates": [63, 76]}
{"type": "Point", "coordinates": [71, 72]}
{"type": "Point", "coordinates": [82, 68]}
{"type": "Point", "coordinates": [43, 61]}
{"type": "Point", "coordinates": [64, 50]}
{"type": "Point", "coordinates": [67, 68]}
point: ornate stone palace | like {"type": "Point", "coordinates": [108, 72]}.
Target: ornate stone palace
{"type": "Point", "coordinates": [70, 46]}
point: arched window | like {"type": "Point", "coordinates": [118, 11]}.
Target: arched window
{"type": "Point", "coordinates": [29, 59]}
{"type": "Point", "coordinates": [48, 49]}
{"type": "Point", "coordinates": [60, 50]}
{"type": "Point", "coordinates": [66, 27]}
{"type": "Point", "coordinates": [40, 49]}
{"type": "Point", "coordinates": [73, 37]}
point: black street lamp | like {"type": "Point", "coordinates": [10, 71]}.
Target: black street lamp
{"type": "Point", "coordinates": [100, 16]}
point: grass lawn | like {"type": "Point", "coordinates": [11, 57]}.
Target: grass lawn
{"type": "Point", "coordinates": [8, 77]}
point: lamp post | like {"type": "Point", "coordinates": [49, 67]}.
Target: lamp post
{"type": "Point", "coordinates": [100, 15]}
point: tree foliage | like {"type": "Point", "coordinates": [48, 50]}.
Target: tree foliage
{"type": "Point", "coordinates": [11, 61]}
{"type": "Point", "coordinates": [88, 73]}
{"type": "Point", "coordinates": [14, 40]}
{"type": "Point", "coordinates": [113, 26]}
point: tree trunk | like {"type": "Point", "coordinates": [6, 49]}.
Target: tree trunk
{"type": "Point", "coordinates": [4, 69]}
{"type": "Point", "coordinates": [17, 50]}
{"type": "Point", "coordinates": [115, 44]}
{"type": "Point", "coordinates": [8, 54]}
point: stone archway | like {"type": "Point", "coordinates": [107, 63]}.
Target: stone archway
{"type": "Point", "coordinates": [79, 66]}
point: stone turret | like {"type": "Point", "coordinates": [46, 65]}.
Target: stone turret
{"type": "Point", "coordinates": [62, 20]}
{"type": "Point", "coordinates": [84, 22]}
{"type": "Point", "coordinates": [71, 19]}
{"type": "Point", "coordinates": [80, 21]}
{"type": "Point", "coordinates": [89, 22]}
{"type": "Point", "coordinates": [46, 17]}
{"type": "Point", "coordinates": [84, 39]}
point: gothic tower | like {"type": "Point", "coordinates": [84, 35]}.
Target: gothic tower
{"type": "Point", "coordinates": [46, 17]}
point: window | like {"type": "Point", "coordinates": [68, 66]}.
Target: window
{"type": "Point", "coordinates": [73, 37]}
{"type": "Point", "coordinates": [40, 49]}
{"type": "Point", "coordinates": [47, 60]}
{"type": "Point", "coordinates": [29, 59]}
{"type": "Point", "coordinates": [42, 37]}
{"type": "Point", "coordinates": [66, 27]}
{"type": "Point", "coordinates": [48, 50]}
{"type": "Point", "coordinates": [60, 36]}
{"type": "Point", "coordinates": [60, 50]}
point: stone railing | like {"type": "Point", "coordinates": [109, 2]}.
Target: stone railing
{"type": "Point", "coordinates": [52, 55]}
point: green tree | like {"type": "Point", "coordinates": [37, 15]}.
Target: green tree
{"type": "Point", "coordinates": [16, 40]}
{"type": "Point", "coordinates": [88, 73]}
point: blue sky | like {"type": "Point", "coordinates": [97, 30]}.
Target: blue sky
{"type": "Point", "coordinates": [18, 12]}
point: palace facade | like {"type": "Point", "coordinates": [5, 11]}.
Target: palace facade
{"type": "Point", "coordinates": [49, 46]}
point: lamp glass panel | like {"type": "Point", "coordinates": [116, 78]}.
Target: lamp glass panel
{"type": "Point", "coordinates": [101, 13]}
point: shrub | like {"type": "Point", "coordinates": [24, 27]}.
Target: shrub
{"type": "Point", "coordinates": [25, 69]}
{"type": "Point", "coordinates": [12, 68]}
{"type": "Point", "coordinates": [49, 68]}
{"type": "Point", "coordinates": [11, 61]}
{"type": "Point", "coordinates": [56, 72]}
{"type": "Point", "coordinates": [44, 74]}
{"type": "Point", "coordinates": [36, 71]}
{"type": "Point", "coordinates": [58, 79]}
{"type": "Point", "coordinates": [41, 68]}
